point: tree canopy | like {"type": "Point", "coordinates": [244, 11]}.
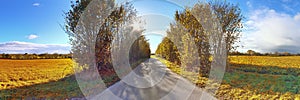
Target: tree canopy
{"type": "Point", "coordinates": [94, 28]}
{"type": "Point", "coordinates": [192, 39]}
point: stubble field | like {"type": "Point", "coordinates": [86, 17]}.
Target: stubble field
{"type": "Point", "coordinates": [39, 79]}
{"type": "Point", "coordinates": [249, 77]}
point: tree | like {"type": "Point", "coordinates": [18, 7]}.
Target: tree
{"type": "Point", "coordinates": [230, 18]}
{"type": "Point", "coordinates": [106, 36]}
{"type": "Point", "coordinates": [82, 25]}
{"type": "Point", "coordinates": [236, 53]}
{"type": "Point", "coordinates": [7, 56]}
{"type": "Point", "coordinates": [198, 23]}
{"type": "Point", "coordinates": [3, 55]}
{"type": "Point", "coordinates": [251, 52]}
{"type": "Point", "coordinates": [140, 49]}
{"type": "Point", "coordinates": [166, 49]}
{"type": "Point", "coordinates": [189, 55]}
{"type": "Point", "coordinates": [101, 34]}
{"type": "Point", "coordinates": [286, 54]}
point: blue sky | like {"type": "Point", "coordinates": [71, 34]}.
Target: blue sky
{"type": "Point", "coordinates": [34, 25]}
{"type": "Point", "coordinates": [271, 25]}
{"type": "Point", "coordinates": [27, 22]}
{"type": "Point", "coordinates": [157, 15]}
{"type": "Point", "coordinates": [22, 18]}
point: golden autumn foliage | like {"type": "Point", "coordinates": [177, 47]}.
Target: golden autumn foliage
{"type": "Point", "coordinates": [102, 34]}
{"type": "Point", "coordinates": [202, 31]}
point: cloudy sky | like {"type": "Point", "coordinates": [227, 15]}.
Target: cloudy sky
{"type": "Point", "coordinates": [270, 25]}
{"type": "Point", "coordinates": [273, 25]}
{"type": "Point", "coordinates": [33, 26]}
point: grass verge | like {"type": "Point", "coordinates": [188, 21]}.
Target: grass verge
{"type": "Point", "coordinates": [245, 85]}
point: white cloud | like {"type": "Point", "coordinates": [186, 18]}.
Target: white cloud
{"type": "Point", "coordinates": [36, 4]}
{"type": "Point", "coordinates": [269, 31]}
{"type": "Point", "coordinates": [297, 17]}
{"type": "Point", "coordinates": [27, 47]}
{"type": "Point", "coordinates": [32, 36]}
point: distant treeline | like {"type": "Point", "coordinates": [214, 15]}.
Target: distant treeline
{"type": "Point", "coordinates": [254, 53]}
{"type": "Point", "coordinates": [27, 56]}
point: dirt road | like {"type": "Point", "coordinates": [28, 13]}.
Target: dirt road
{"type": "Point", "coordinates": [152, 80]}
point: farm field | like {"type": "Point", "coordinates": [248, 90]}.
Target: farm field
{"type": "Point", "coordinates": [253, 77]}
{"type": "Point", "coordinates": [37, 79]}
{"type": "Point", "coordinates": [249, 77]}
{"type": "Point", "coordinates": [266, 75]}
{"type": "Point", "coordinates": [269, 61]}
{"type": "Point", "coordinates": [43, 78]}
{"type": "Point", "coordinates": [17, 73]}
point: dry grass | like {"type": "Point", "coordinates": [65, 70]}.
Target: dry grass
{"type": "Point", "coordinates": [38, 79]}
{"type": "Point", "coordinates": [282, 62]}
{"type": "Point", "coordinates": [18, 73]}
{"type": "Point", "coordinates": [42, 79]}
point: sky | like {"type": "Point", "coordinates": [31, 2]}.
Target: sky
{"type": "Point", "coordinates": [157, 16]}
{"type": "Point", "coordinates": [33, 26]}
{"type": "Point", "coordinates": [271, 26]}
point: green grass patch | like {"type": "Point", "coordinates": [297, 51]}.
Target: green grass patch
{"type": "Point", "coordinates": [263, 83]}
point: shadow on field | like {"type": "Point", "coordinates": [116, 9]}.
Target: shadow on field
{"type": "Point", "coordinates": [65, 88]}
{"type": "Point", "coordinates": [61, 89]}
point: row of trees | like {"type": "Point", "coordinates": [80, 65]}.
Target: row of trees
{"type": "Point", "coordinates": [103, 34]}
{"type": "Point", "coordinates": [196, 35]}
{"type": "Point", "coordinates": [27, 56]}
{"type": "Point", "coordinates": [116, 35]}
{"type": "Point", "coordinates": [139, 50]}
{"type": "Point", "coordinates": [167, 50]}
